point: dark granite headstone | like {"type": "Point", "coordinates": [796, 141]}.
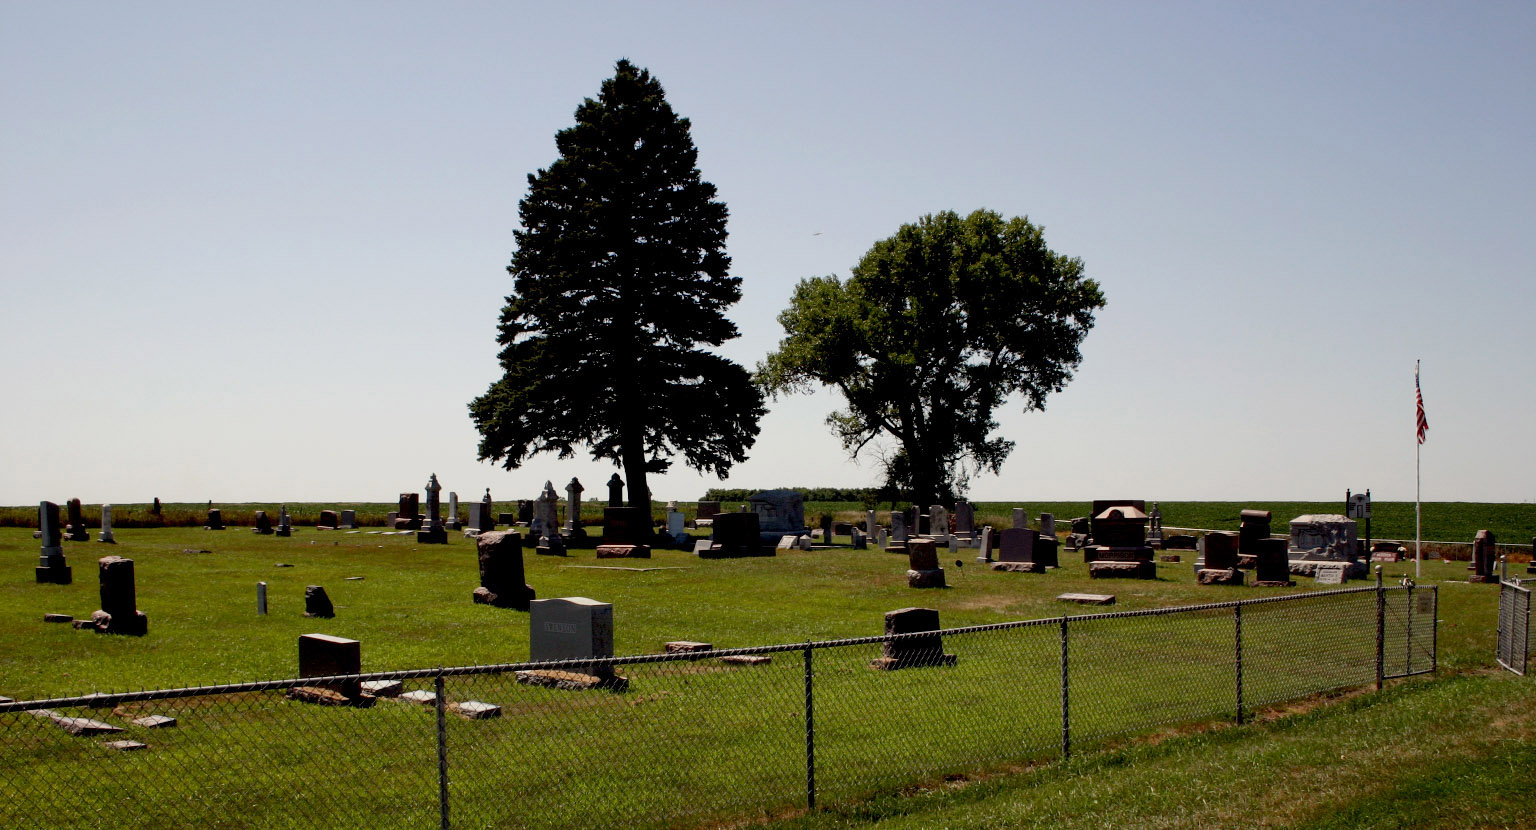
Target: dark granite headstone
{"type": "Point", "coordinates": [615, 491]}
{"type": "Point", "coordinates": [923, 569]}
{"type": "Point", "coordinates": [736, 534]}
{"type": "Point", "coordinates": [321, 655]}
{"type": "Point", "coordinates": [501, 571]}
{"type": "Point", "coordinates": [707, 510]}
{"type": "Point", "coordinates": [627, 526]}
{"type": "Point", "coordinates": [406, 518]}
{"type": "Point", "coordinates": [525, 510]}
{"type": "Point", "coordinates": [328, 520]}
{"type": "Point", "coordinates": [916, 651]}
{"type": "Point", "coordinates": [52, 569]}
{"type": "Point", "coordinates": [76, 531]}
{"type": "Point", "coordinates": [263, 524]}
{"type": "Point", "coordinates": [215, 519]}
{"type": "Point", "coordinates": [317, 603]}
{"type": "Point", "coordinates": [1220, 549]}
{"type": "Point", "coordinates": [119, 613]}
{"type": "Point", "coordinates": [1272, 567]}
{"type": "Point", "coordinates": [1254, 528]}
{"type": "Point", "coordinates": [1485, 558]}
{"type": "Point", "coordinates": [1016, 544]}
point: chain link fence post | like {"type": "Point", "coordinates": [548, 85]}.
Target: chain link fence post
{"type": "Point", "coordinates": [1408, 659]}
{"type": "Point", "coordinates": [810, 732]}
{"type": "Point", "coordinates": [442, 749]}
{"type": "Point", "coordinates": [1066, 718]}
{"type": "Point", "coordinates": [1237, 625]}
{"type": "Point", "coordinates": [1381, 630]}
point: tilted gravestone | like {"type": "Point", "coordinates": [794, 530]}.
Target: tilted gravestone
{"type": "Point", "coordinates": [501, 571]}
{"type": "Point", "coordinates": [317, 603]}
{"type": "Point", "coordinates": [51, 566]}
{"type": "Point", "coordinates": [118, 614]}
{"type": "Point", "coordinates": [917, 650]}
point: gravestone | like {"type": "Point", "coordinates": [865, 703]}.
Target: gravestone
{"type": "Point", "coordinates": [1253, 527]}
{"type": "Point", "coordinates": [1048, 525]}
{"type": "Point", "coordinates": [1182, 541]}
{"type": "Point", "coordinates": [1323, 537]}
{"type": "Point", "coordinates": [707, 511]}
{"type": "Point", "coordinates": [284, 524]}
{"type": "Point", "coordinates": [487, 521]}
{"type": "Point", "coordinates": [321, 655]}
{"type": "Point", "coordinates": [261, 598]}
{"type": "Point", "coordinates": [573, 528]}
{"type": "Point", "coordinates": [571, 628]}
{"type": "Point", "coordinates": [76, 531]}
{"type": "Point", "coordinates": [1331, 573]}
{"type": "Point", "coordinates": [432, 531]}
{"type": "Point", "coordinates": [263, 524]}
{"type": "Point", "coordinates": [119, 612]}
{"type": "Point", "coordinates": [779, 512]}
{"type": "Point", "coordinates": [630, 551]}
{"type": "Point", "coordinates": [348, 520]}
{"type": "Point", "coordinates": [452, 522]}
{"type": "Point", "coordinates": [675, 526]}
{"type": "Point", "coordinates": [1016, 545]}
{"type": "Point", "coordinates": [475, 522]}
{"type": "Point", "coordinates": [1119, 546]}
{"type": "Point", "coordinates": [106, 525]}
{"type": "Point", "coordinates": [546, 523]}
{"type": "Point", "coordinates": [501, 571]}
{"type": "Point", "coordinates": [938, 523]}
{"type": "Point", "coordinates": [1485, 558]}
{"type": "Point", "coordinates": [317, 603]}
{"type": "Point", "coordinates": [1155, 528]}
{"type": "Point", "coordinates": [870, 522]}
{"type": "Point", "coordinates": [616, 492]}
{"type": "Point", "coordinates": [898, 528]}
{"type": "Point", "coordinates": [1219, 550]}
{"type": "Point", "coordinates": [919, 648]}
{"type": "Point", "coordinates": [215, 519]}
{"type": "Point", "coordinates": [923, 569]}
{"type": "Point", "coordinates": [52, 569]}
{"type": "Point", "coordinates": [627, 526]}
{"type": "Point", "coordinates": [409, 509]}
{"type": "Point", "coordinates": [1272, 568]}
{"type": "Point", "coordinates": [858, 537]}
{"type": "Point", "coordinates": [525, 511]}
{"type": "Point", "coordinates": [986, 545]}
{"type": "Point", "coordinates": [736, 534]}
{"type": "Point", "coordinates": [965, 520]}
{"type": "Point", "coordinates": [1046, 550]}
{"type": "Point", "coordinates": [328, 520]}
{"type": "Point", "coordinates": [1020, 518]}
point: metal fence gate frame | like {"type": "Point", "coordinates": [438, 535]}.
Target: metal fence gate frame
{"type": "Point", "coordinates": [1514, 624]}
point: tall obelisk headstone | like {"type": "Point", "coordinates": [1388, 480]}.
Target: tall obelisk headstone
{"type": "Point", "coordinates": [51, 567]}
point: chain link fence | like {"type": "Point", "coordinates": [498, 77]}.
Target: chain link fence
{"type": "Point", "coordinates": [1514, 624]}
{"type": "Point", "coordinates": [693, 739]}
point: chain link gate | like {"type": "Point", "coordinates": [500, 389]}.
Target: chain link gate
{"type": "Point", "coordinates": [1514, 624]}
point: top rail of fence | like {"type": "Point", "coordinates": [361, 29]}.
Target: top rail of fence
{"type": "Point", "coordinates": [104, 699]}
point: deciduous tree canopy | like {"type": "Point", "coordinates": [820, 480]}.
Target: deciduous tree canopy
{"type": "Point", "coordinates": [933, 330]}
{"type": "Point", "coordinates": [620, 279]}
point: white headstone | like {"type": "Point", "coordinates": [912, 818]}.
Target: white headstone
{"type": "Point", "coordinates": [986, 545]}
{"type": "Point", "coordinates": [453, 511]}
{"type": "Point", "coordinates": [569, 628]}
{"type": "Point", "coordinates": [106, 525]}
{"type": "Point", "coordinates": [675, 527]}
{"type": "Point", "coordinates": [869, 522]}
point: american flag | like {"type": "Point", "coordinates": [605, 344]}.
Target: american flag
{"type": "Point", "coordinates": [1419, 393]}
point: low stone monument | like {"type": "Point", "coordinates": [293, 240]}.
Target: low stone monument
{"type": "Point", "coordinates": [408, 514]}
{"type": "Point", "coordinates": [119, 613]}
{"type": "Point", "coordinates": [106, 525]}
{"type": "Point", "coordinates": [627, 526]}
{"type": "Point", "coordinates": [328, 520]}
{"type": "Point", "coordinates": [1272, 568]}
{"type": "Point", "coordinates": [918, 650]}
{"type": "Point", "coordinates": [215, 519]}
{"type": "Point", "coordinates": [1119, 544]}
{"type": "Point", "coordinates": [348, 520]}
{"type": "Point", "coordinates": [571, 628]}
{"type": "Point", "coordinates": [923, 569]}
{"type": "Point", "coordinates": [321, 655]}
{"type": "Point", "coordinates": [501, 571]}
{"type": "Point", "coordinates": [779, 512]}
{"type": "Point", "coordinates": [706, 513]}
{"type": "Point", "coordinates": [1324, 537]}
{"type": "Point", "coordinates": [52, 569]}
{"type": "Point", "coordinates": [1218, 563]}
{"type": "Point", "coordinates": [1015, 551]}
{"type": "Point", "coordinates": [317, 603]}
{"type": "Point", "coordinates": [263, 525]}
{"type": "Point", "coordinates": [736, 535]}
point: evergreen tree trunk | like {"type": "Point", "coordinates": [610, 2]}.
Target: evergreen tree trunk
{"type": "Point", "coordinates": [634, 468]}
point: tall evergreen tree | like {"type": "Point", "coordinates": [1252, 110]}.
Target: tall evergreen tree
{"type": "Point", "coordinates": [620, 279]}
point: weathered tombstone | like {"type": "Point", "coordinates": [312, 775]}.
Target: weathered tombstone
{"type": "Point", "coordinates": [475, 522]}
{"type": "Point", "coordinates": [1120, 545]}
{"type": "Point", "coordinates": [779, 512]}
{"type": "Point", "coordinates": [1016, 545]}
{"type": "Point", "coordinates": [736, 534]}
{"type": "Point", "coordinates": [965, 519]}
{"type": "Point", "coordinates": [1020, 518]}
{"type": "Point", "coordinates": [328, 520]}
{"type": "Point", "coordinates": [261, 598]}
{"type": "Point", "coordinates": [1182, 541]}
{"type": "Point", "coordinates": [215, 519]}
{"type": "Point", "coordinates": [1048, 525]}
{"type": "Point", "coordinates": [899, 527]}
{"type": "Point", "coordinates": [263, 525]}
{"type": "Point", "coordinates": [986, 545]}
{"type": "Point", "coordinates": [859, 542]}
{"type": "Point", "coordinates": [627, 526]}
{"type": "Point", "coordinates": [938, 523]}
{"type": "Point", "coordinates": [917, 522]}
{"type": "Point", "coordinates": [546, 523]}
{"type": "Point", "coordinates": [630, 551]}
{"type": "Point", "coordinates": [707, 511]}
{"type": "Point", "coordinates": [616, 491]}
{"type": "Point", "coordinates": [1045, 551]}
{"type": "Point", "coordinates": [284, 524]}
{"type": "Point", "coordinates": [409, 509]}
{"type": "Point", "coordinates": [573, 528]}
{"type": "Point", "coordinates": [918, 648]}
{"type": "Point", "coordinates": [51, 566]}
{"type": "Point", "coordinates": [317, 603]}
{"type": "Point", "coordinates": [321, 655]}
{"type": "Point", "coordinates": [1331, 573]}
{"type": "Point", "coordinates": [1219, 550]}
{"type": "Point", "coordinates": [675, 526]}
{"type": "Point", "coordinates": [106, 525]}
{"type": "Point", "coordinates": [1155, 528]}
{"type": "Point", "coordinates": [348, 520]}
{"type": "Point", "coordinates": [432, 531]}
{"type": "Point", "coordinates": [119, 612]}
{"type": "Point", "coordinates": [487, 521]}
{"type": "Point", "coordinates": [452, 522]}
{"type": "Point", "coordinates": [571, 628]}
{"type": "Point", "coordinates": [76, 530]}
{"type": "Point", "coordinates": [1323, 538]}
{"type": "Point", "coordinates": [501, 571]}
{"type": "Point", "coordinates": [826, 529]}
{"type": "Point", "coordinates": [1484, 558]}
{"type": "Point", "coordinates": [1272, 568]}
{"type": "Point", "coordinates": [923, 569]}
{"type": "Point", "coordinates": [870, 522]}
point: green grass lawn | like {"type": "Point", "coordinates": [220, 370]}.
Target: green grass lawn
{"type": "Point", "coordinates": [691, 742]}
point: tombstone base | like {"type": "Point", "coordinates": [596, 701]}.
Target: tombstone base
{"type": "Point", "coordinates": [432, 536]}
{"type": "Point", "coordinates": [55, 575]}
{"type": "Point", "coordinates": [1386, 556]}
{"type": "Point", "coordinates": [896, 548]}
{"type": "Point", "coordinates": [515, 599]}
{"type": "Point", "coordinates": [550, 546]}
{"type": "Point", "coordinates": [106, 538]}
{"type": "Point", "coordinates": [1169, 557]}
{"type": "Point", "coordinates": [134, 626]}
{"type": "Point", "coordinates": [623, 552]}
{"type": "Point", "coordinates": [926, 578]}
{"type": "Point", "coordinates": [718, 551]}
{"type": "Point", "coordinates": [1479, 579]}
{"type": "Point", "coordinates": [262, 531]}
{"type": "Point", "coordinates": [283, 532]}
{"type": "Point", "coordinates": [1231, 576]}
{"type": "Point", "coordinates": [328, 697]}
{"type": "Point", "coordinates": [1273, 584]}
{"type": "Point", "coordinates": [1019, 567]}
{"type": "Point", "coordinates": [1247, 561]}
{"type": "Point", "coordinates": [1122, 570]}
{"type": "Point", "coordinates": [571, 680]}
{"type": "Point", "coordinates": [688, 647]}
{"type": "Point", "coordinates": [896, 663]}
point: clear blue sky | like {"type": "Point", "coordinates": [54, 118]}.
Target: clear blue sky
{"type": "Point", "coordinates": [257, 251]}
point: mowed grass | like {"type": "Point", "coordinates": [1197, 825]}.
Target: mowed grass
{"type": "Point", "coordinates": [689, 743]}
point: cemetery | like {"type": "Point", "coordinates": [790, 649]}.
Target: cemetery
{"type": "Point", "coordinates": [722, 596]}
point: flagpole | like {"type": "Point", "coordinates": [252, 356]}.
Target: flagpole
{"type": "Point", "coordinates": [1418, 526]}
